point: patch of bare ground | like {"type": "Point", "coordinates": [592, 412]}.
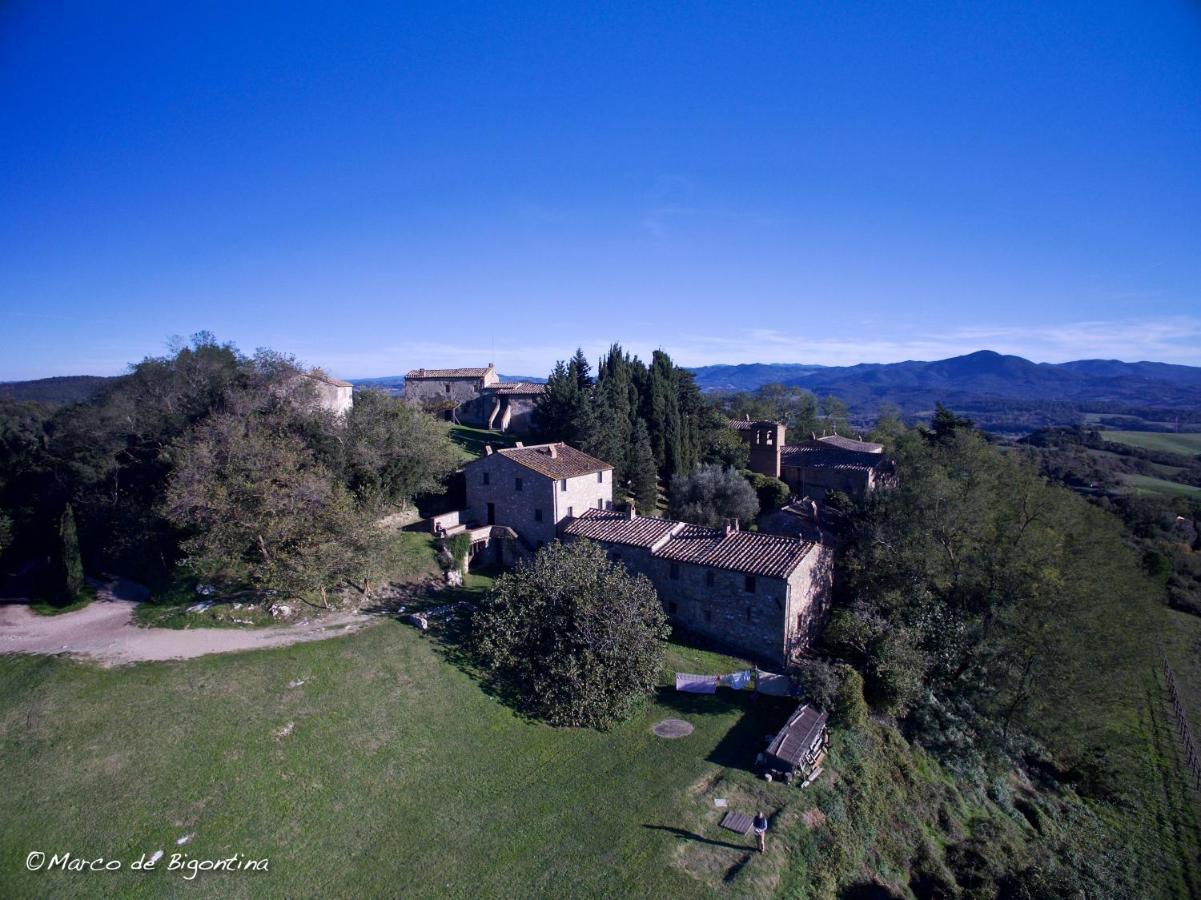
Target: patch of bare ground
{"type": "Point", "coordinates": [104, 632]}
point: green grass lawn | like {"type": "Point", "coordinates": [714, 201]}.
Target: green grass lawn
{"type": "Point", "coordinates": [389, 771]}
{"type": "Point", "coordinates": [472, 440]}
{"type": "Point", "coordinates": [46, 608]}
{"type": "Point", "coordinates": [1188, 444]}
{"type": "Point", "coordinates": [392, 771]}
{"type": "Point", "coordinates": [1147, 484]}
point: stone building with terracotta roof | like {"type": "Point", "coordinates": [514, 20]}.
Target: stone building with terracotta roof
{"type": "Point", "coordinates": [762, 595]}
{"type": "Point", "coordinates": [448, 387]}
{"type": "Point", "coordinates": [533, 489]}
{"type": "Point", "coordinates": [816, 467]}
{"type": "Point", "coordinates": [475, 397]}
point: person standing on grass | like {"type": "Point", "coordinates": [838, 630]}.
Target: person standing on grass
{"type": "Point", "coordinates": [760, 826]}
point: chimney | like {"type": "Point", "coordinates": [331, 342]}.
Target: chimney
{"type": "Point", "coordinates": [748, 417]}
{"type": "Point", "coordinates": [519, 445]}
{"type": "Point", "coordinates": [487, 449]}
{"type": "Point", "coordinates": [631, 509]}
{"type": "Point", "coordinates": [731, 526]}
{"type": "Point", "coordinates": [554, 451]}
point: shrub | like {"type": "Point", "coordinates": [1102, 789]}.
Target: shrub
{"type": "Point", "coordinates": [459, 546]}
{"type": "Point", "coordinates": [572, 635]}
{"type": "Point", "coordinates": [772, 492]}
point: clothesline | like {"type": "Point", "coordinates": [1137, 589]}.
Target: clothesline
{"type": "Point", "coordinates": [763, 682]}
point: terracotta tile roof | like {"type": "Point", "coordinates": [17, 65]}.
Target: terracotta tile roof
{"type": "Point", "coordinates": [567, 462]}
{"type": "Point", "coordinates": [770, 555]}
{"type": "Point", "coordinates": [617, 528]}
{"type": "Point", "coordinates": [510, 388]}
{"type": "Point", "coordinates": [823, 455]}
{"type": "Point", "coordinates": [747, 424]}
{"type": "Point", "coordinates": [448, 373]}
{"type": "Point", "coordinates": [846, 443]}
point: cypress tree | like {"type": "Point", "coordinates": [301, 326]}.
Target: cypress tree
{"type": "Point", "coordinates": [642, 471]}
{"type": "Point", "coordinates": [70, 563]}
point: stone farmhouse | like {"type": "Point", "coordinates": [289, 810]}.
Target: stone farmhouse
{"type": "Point", "coordinates": [475, 397]}
{"type": "Point", "coordinates": [818, 466]}
{"type": "Point", "coordinates": [329, 393]}
{"type": "Point", "coordinates": [762, 595]}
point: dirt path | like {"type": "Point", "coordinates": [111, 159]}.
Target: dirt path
{"type": "Point", "coordinates": [104, 631]}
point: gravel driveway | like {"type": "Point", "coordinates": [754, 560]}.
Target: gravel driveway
{"type": "Point", "coordinates": [104, 631]}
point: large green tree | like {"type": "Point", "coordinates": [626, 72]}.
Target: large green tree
{"type": "Point", "coordinates": [710, 495]}
{"type": "Point", "coordinates": [259, 510]}
{"type": "Point", "coordinates": [394, 452]}
{"type": "Point", "coordinates": [573, 637]}
{"type": "Point", "coordinates": [983, 601]}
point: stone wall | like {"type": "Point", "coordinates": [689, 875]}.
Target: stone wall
{"type": "Point", "coordinates": [753, 624]}
{"type": "Point", "coordinates": [810, 593]}
{"type": "Point", "coordinates": [513, 415]}
{"type": "Point", "coordinates": [442, 390]}
{"type": "Point", "coordinates": [816, 483]}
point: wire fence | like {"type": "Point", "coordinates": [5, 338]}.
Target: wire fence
{"type": "Point", "coordinates": [1186, 733]}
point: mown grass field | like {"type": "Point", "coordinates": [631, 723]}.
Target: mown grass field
{"type": "Point", "coordinates": [388, 771]}
{"type": "Point", "coordinates": [391, 771]}
{"type": "Point", "coordinates": [1188, 444]}
{"type": "Point", "coordinates": [1148, 484]}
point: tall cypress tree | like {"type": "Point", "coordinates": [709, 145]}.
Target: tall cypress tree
{"type": "Point", "coordinates": [69, 583]}
{"type": "Point", "coordinates": [643, 473]}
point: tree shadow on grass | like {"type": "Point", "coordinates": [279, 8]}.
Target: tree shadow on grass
{"type": "Point", "coordinates": [759, 718]}
{"type": "Point", "coordinates": [693, 836]}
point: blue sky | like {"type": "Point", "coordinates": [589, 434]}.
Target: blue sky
{"type": "Point", "coordinates": [399, 184]}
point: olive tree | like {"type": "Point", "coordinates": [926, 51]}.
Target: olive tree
{"type": "Point", "coordinates": [573, 635]}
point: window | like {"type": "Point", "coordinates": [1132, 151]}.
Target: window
{"type": "Point", "coordinates": [570, 512]}
{"type": "Point", "coordinates": [675, 571]}
{"type": "Point", "coordinates": [487, 478]}
{"type": "Point", "coordinates": [672, 607]}
{"type": "Point", "coordinates": [563, 485]}
{"type": "Point", "coordinates": [800, 622]}
{"type": "Point", "coordinates": [749, 586]}
{"type": "Point", "coordinates": [537, 515]}
{"type": "Point", "coordinates": [600, 502]}
{"type": "Point", "coordinates": [615, 556]}
{"type": "Point", "coordinates": [448, 387]}
{"type": "Point", "coordinates": [517, 484]}
{"type": "Point", "coordinates": [600, 477]}
{"type": "Point", "coordinates": [710, 579]}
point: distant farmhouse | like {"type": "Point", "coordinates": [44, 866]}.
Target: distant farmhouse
{"type": "Point", "coordinates": [818, 466]}
{"type": "Point", "coordinates": [475, 397]}
{"type": "Point", "coordinates": [762, 595]}
{"type": "Point", "coordinates": [329, 393]}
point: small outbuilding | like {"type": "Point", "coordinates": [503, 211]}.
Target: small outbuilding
{"type": "Point", "coordinates": [799, 747]}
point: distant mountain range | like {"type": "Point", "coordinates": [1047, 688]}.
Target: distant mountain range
{"type": "Point", "coordinates": [987, 384]}
{"type": "Point", "coordinates": [1003, 393]}
{"type": "Point", "coordinates": [63, 389]}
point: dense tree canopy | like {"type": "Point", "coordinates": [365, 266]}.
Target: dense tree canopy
{"type": "Point", "coordinates": [711, 495]}
{"type": "Point", "coordinates": [574, 636]}
{"type": "Point", "coordinates": [601, 415]}
{"type": "Point", "coordinates": [223, 462]}
{"type": "Point", "coordinates": [983, 601]}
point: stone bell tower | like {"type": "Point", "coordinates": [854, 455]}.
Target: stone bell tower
{"type": "Point", "coordinates": [766, 441]}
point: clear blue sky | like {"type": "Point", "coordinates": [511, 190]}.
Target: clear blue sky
{"type": "Point", "coordinates": [443, 183]}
